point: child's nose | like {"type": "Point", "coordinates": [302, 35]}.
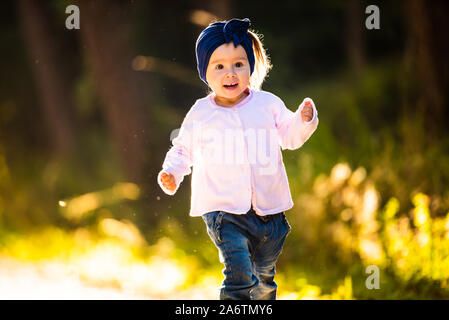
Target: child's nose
{"type": "Point", "coordinates": [230, 73]}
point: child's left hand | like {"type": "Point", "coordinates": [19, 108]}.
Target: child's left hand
{"type": "Point", "coordinates": [307, 111]}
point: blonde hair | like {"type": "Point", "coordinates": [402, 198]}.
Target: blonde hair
{"type": "Point", "coordinates": [262, 64]}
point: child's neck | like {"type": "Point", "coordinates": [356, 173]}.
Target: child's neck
{"type": "Point", "coordinates": [223, 102]}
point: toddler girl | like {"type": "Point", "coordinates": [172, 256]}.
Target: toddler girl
{"type": "Point", "coordinates": [233, 139]}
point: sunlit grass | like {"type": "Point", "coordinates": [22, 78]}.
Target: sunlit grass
{"type": "Point", "coordinates": [156, 272]}
{"type": "Point", "coordinates": [78, 207]}
{"type": "Point", "coordinates": [100, 263]}
{"type": "Point", "coordinates": [343, 211]}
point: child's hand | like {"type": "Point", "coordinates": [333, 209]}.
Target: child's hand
{"type": "Point", "coordinates": [307, 111]}
{"type": "Point", "coordinates": [168, 181]}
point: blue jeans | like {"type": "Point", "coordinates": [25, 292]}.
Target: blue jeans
{"type": "Point", "coordinates": [249, 247]}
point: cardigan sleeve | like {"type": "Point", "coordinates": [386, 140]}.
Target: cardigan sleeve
{"type": "Point", "coordinates": [293, 131]}
{"type": "Point", "coordinates": [178, 160]}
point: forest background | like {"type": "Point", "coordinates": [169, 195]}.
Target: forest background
{"type": "Point", "coordinates": [86, 117]}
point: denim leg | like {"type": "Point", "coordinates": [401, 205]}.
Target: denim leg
{"type": "Point", "coordinates": [239, 276]}
{"type": "Point", "coordinates": [228, 233]}
{"type": "Point", "coordinates": [265, 258]}
{"type": "Point", "coordinates": [249, 249]}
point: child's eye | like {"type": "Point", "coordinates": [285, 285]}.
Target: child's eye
{"type": "Point", "coordinates": [239, 64]}
{"type": "Point", "coordinates": [219, 66]}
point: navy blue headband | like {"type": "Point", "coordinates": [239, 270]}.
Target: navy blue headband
{"type": "Point", "coordinates": [219, 33]}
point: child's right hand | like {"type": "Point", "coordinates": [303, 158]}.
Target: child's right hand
{"type": "Point", "coordinates": [168, 181]}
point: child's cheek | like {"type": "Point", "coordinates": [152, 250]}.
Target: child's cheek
{"type": "Point", "coordinates": [218, 74]}
{"type": "Point", "coordinates": [244, 72]}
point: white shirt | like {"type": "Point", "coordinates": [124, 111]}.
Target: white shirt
{"type": "Point", "coordinates": [236, 154]}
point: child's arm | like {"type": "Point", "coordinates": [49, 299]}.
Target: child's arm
{"type": "Point", "coordinates": [178, 160]}
{"type": "Point", "coordinates": [293, 128]}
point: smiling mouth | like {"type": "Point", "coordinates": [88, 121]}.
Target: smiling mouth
{"type": "Point", "coordinates": [231, 85]}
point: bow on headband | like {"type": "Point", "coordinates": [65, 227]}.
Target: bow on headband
{"type": "Point", "coordinates": [236, 31]}
{"type": "Point", "coordinates": [219, 33]}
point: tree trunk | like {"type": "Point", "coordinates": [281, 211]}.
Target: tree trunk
{"type": "Point", "coordinates": [354, 41]}
{"type": "Point", "coordinates": [51, 81]}
{"type": "Point", "coordinates": [105, 34]}
{"type": "Point", "coordinates": [421, 62]}
{"type": "Point", "coordinates": [222, 9]}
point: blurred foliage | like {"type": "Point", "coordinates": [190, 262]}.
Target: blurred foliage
{"type": "Point", "coordinates": [390, 210]}
{"type": "Point", "coordinates": [370, 187]}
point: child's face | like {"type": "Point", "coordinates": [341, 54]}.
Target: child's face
{"type": "Point", "coordinates": [228, 73]}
